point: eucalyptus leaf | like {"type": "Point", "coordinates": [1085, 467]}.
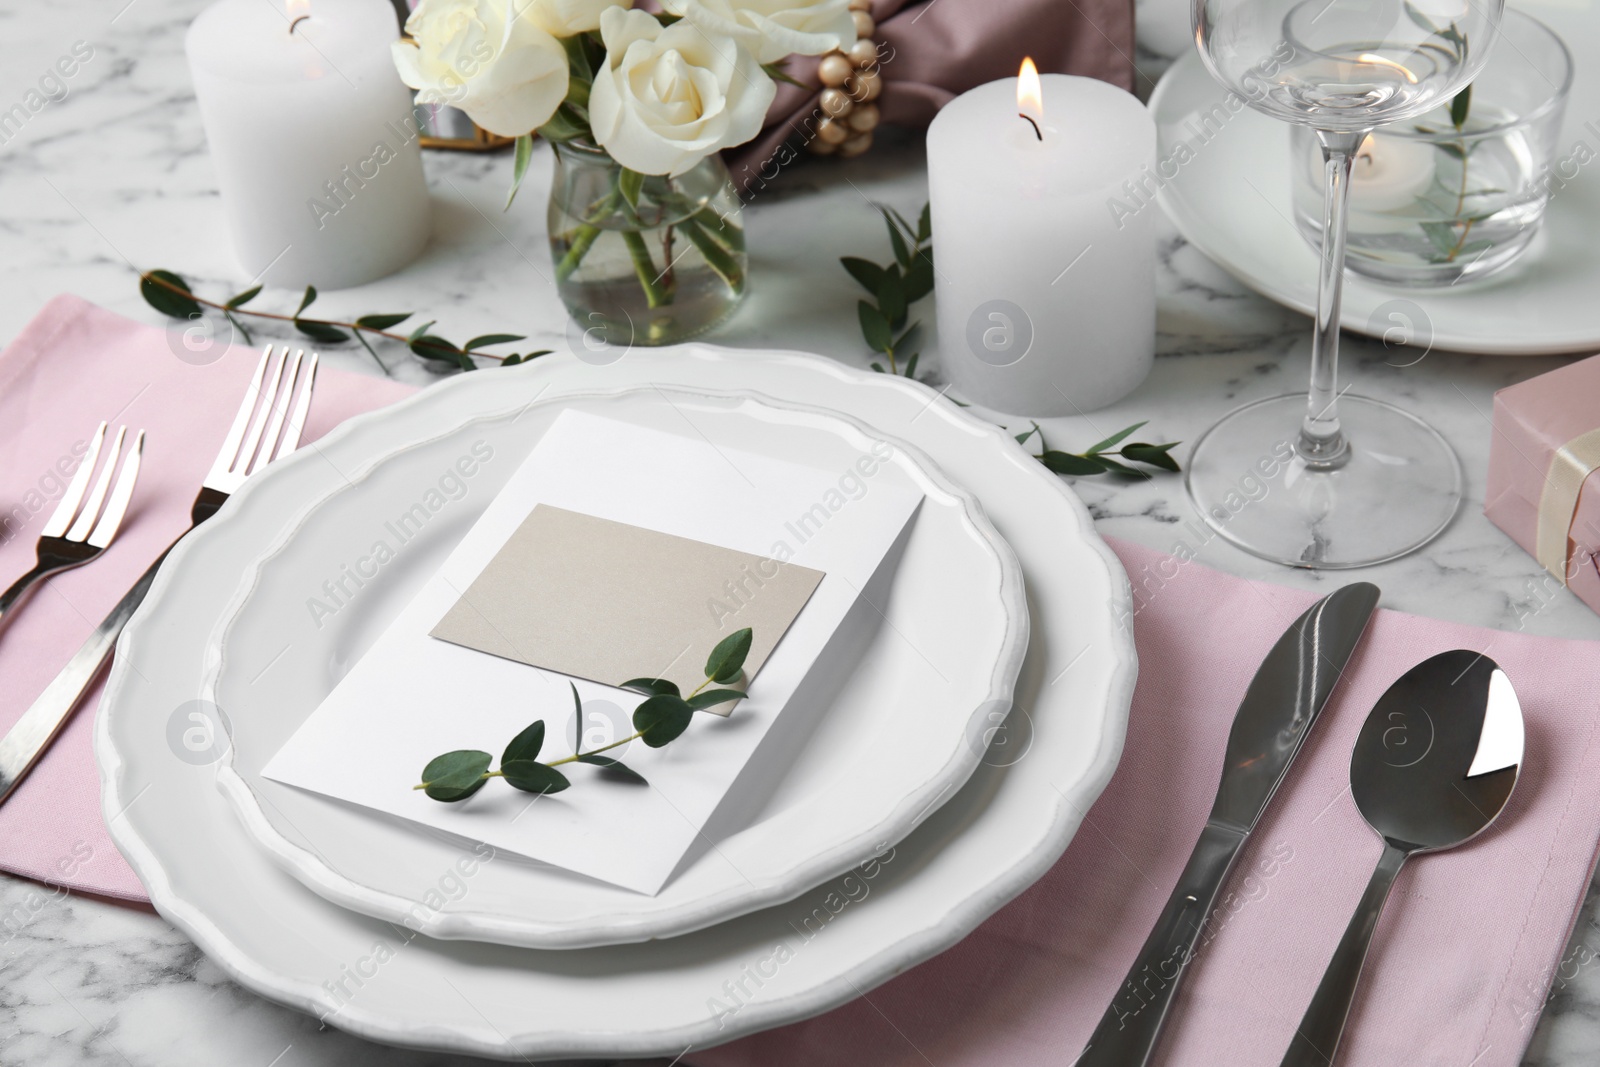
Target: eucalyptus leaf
{"type": "Point", "coordinates": [533, 777]}
{"type": "Point", "coordinates": [919, 277]}
{"type": "Point", "coordinates": [164, 300]}
{"type": "Point", "coordinates": [493, 339]}
{"type": "Point", "coordinates": [925, 224]}
{"type": "Point", "coordinates": [306, 300]}
{"type": "Point", "coordinates": [241, 299]}
{"type": "Point", "coordinates": [911, 365]}
{"type": "Point", "coordinates": [869, 274]}
{"type": "Point", "coordinates": [1067, 463]}
{"type": "Point", "coordinates": [1441, 234]}
{"type": "Point", "coordinates": [902, 252]}
{"type": "Point", "coordinates": [874, 327]}
{"type": "Point", "coordinates": [1460, 107]}
{"type": "Point", "coordinates": [892, 298]}
{"type": "Point", "coordinates": [320, 331]}
{"type": "Point", "coordinates": [526, 745]}
{"type": "Point", "coordinates": [912, 335]}
{"type": "Point", "coordinates": [653, 686]}
{"type": "Point", "coordinates": [421, 331]}
{"type": "Point", "coordinates": [614, 768]}
{"type": "Point", "coordinates": [519, 166]}
{"type": "Point", "coordinates": [1114, 467]}
{"type": "Point", "coordinates": [1115, 438]}
{"type": "Point", "coordinates": [1453, 151]}
{"type": "Point", "coordinates": [455, 775]}
{"type": "Point", "coordinates": [727, 659]}
{"type": "Point", "coordinates": [712, 697]}
{"type": "Point", "coordinates": [1154, 455]}
{"type": "Point", "coordinates": [383, 322]}
{"type": "Point", "coordinates": [661, 719]}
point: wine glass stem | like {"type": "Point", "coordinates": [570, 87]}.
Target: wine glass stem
{"type": "Point", "coordinates": [1322, 444]}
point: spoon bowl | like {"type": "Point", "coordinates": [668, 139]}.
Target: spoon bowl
{"type": "Point", "coordinates": [1433, 767]}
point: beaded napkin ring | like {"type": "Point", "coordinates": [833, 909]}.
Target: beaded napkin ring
{"type": "Point", "coordinates": [852, 82]}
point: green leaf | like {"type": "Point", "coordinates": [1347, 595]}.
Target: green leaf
{"type": "Point", "coordinates": [892, 298]}
{"type": "Point", "coordinates": [629, 183]}
{"type": "Point", "coordinates": [911, 364]}
{"type": "Point", "coordinates": [1154, 455]}
{"type": "Point", "coordinates": [242, 299]}
{"type": "Point", "coordinates": [925, 225]}
{"type": "Point", "coordinates": [1460, 107]}
{"type": "Point", "coordinates": [776, 72]}
{"type": "Point", "coordinates": [237, 325]}
{"type": "Point", "coordinates": [1114, 438]}
{"type": "Point", "coordinates": [614, 768]}
{"type": "Point", "coordinates": [493, 339]}
{"type": "Point", "coordinates": [912, 335]}
{"type": "Point", "coordinates": [421, 331]}
{"type": "Point", "coordinates": [1022, 438]}
{"type": "Point", "coordinates": [437, 348]}
{"type": "Point", "coordinates": [878, 367]}
{"type": "Point", "coordinates": [577, 719]}
{"type": "Point", "coordinates": [1067, 463]}
{"type": "Point", "coordinates": [533, 777]}
{"type": "Point", "coordinates": [455, 775]}
{"type": "Point", "coordinates": [653, 686]}
{"type": "Point", "coordinates": [661, 719]}
{"type": "Point", "coordinates": [1442, 234]}
{"type": "Point", "coordinates": [519, 167]}
{"type": "Point", "coordinates": [577, 56]}
{"type": "Point", "coordinates": [919, 277]}
{"type": "Point", "coordinates": [382, 322]}
{"type": "Point", "coordinates": [902, 252]}
{"type": "Point", "coordinates": [1420, 19]}
{"type": "Point", "coordinates": [874, 327]}
{"type": "Point", "coordinates": [727, 659]}
{"type": "Point", "coordinates": [1453, 151]}
{"type": "Point", "coordinates": [525, 746]}
{"type": "Point", "coordinates": [1114, 467]}
{"type": "Point", "coordinates": [712, 697]}
{"type": "Point", "coordinates": [869, 274]}
{"type": "Point", "coordinates": [320, 331]}
{"type": "Point", "coordinates": [305, 301]}
{"type": "Point", "coordinates": [165, 300]}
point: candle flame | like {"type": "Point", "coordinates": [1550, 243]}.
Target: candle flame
{"type": "Point", "coordinates": [1030, 96]}
{"type": "Point", "coordinates": [1368, 57]}
{"type": "Point", "coordinates": [295, 10]}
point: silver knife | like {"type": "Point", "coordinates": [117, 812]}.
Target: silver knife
{"type": "Point", "coordinates": [1278, 711]}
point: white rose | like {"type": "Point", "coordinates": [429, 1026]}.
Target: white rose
{"type": "Point", "coordinates": [563, 18]}
{"type": "Point", "coordinates": [505, 72]}
{"type": "Point", "coordinates": [772, 29]}
{"type": "Point", "coordinates": [667, 97]}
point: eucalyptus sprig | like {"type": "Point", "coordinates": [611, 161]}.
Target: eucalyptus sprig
{"type": "Point", "coordinates": [169, 294]}
{"type": "Point", "coordinates": [895, 288]}
{"type": "Point", "coordinates": [1099, 459]}
{"type": "Point", "coordinates": [663, 716]}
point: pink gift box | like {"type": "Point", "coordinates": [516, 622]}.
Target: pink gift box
{"type": "Point", "coordinates": [1544, 473]}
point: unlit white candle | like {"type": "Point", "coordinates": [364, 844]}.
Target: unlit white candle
{"type": "Point", "coordinates": [312, 138]}
{"type": "Point", "coordinates": [1045, 277]}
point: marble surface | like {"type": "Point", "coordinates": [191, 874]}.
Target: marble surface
{"type": "Point", "coordinates": [115, 176]}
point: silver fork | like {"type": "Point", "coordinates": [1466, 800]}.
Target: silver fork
{"type": "Point", "coordinates": [64, 543]}
{"type": "Point", "coordinates": [274, 404]}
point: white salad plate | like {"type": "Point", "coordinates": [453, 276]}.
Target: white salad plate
{"type": "Point", "coordinates": [916, 670]}
{"type": "Point", "coordinates": [980, 848]}
{"type": "Point", "coordinates": [1231, 200]}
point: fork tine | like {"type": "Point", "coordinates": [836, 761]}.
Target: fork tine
{"type": "Point", "coordinates": [117, 505]}
{"type": "Point", "coordinates": [91, 507]}
{"type": "Point", "coordinates": [74, 495]}
{"type": "Point", "coordinates": [269, 396]}
{"type": "Point", "coordinates": [288, 374]}
{"type": "Point", "coordinates": [297, 418]}
{"type": "Point", "coordinates": [230, 444]}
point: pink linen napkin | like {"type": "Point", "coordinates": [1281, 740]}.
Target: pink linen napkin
{"type": "Point", "coordinates": [1462, 958]}
{"type": "Point", "coordinates": [72, 366]}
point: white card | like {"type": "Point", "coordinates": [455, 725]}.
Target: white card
{"type": "Point", "coordinates": [413, 696]}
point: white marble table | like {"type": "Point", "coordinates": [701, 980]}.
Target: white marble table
{"type": "Point", "coordinates": [115, 176]}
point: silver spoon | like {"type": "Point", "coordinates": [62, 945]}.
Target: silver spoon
{"type": "Point", "coordinates": [1435, 763]}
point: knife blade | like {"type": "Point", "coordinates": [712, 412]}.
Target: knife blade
{"type": "Point", "coordinates": [1277, 713]}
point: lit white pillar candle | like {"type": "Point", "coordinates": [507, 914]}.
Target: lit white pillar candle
{"type": "Point", "coordinates": [312, 138]}
{"type": "Point", "coordinates": [1045, 277]}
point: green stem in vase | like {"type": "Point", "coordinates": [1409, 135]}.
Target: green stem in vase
{"type": "Point", "coordinates": [645, 268]}
{"type": "Point", "coordinates": [583, 239]}
{"type": "Point", "coordinates": [715, 226]}
{"type": "Point", "coordinates": [716, 256]}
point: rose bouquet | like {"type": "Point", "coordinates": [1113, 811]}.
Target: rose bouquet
{"type": "Point", "coordinates": [643, 220]}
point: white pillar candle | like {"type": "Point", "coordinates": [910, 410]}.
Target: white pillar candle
{"type": "Point", "coordinates": [312, 138]}
{"type": "Point", "coordinates": [1045, 276]}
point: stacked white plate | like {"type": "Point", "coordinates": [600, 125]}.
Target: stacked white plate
{"type": "Point", "coordinates": [912, 808]}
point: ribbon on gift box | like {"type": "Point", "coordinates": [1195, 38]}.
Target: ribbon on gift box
{"type": "Point", "coordinates": [1570, 467]}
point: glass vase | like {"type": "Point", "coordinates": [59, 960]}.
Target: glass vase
{"type": "Point", "coordinates": [663, 268]}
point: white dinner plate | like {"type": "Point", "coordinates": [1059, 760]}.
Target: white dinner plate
{"type": "Point", "coordinates": [999, 833]}
{"type": "Point", "coordinates": [936, 653]}
{"type": "Point", "coordinates": [1231, 200]}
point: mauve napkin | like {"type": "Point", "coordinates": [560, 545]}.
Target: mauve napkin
{"type": "Point", "coordinates": [929, 52]}
{"type": "Point", "coordinates": [72, 366]}
{"type": "Point", "coordinates": [1464, 953]}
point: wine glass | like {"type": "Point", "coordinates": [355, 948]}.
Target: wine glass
{"type": "Point", "coordinates": [1331, 480]}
